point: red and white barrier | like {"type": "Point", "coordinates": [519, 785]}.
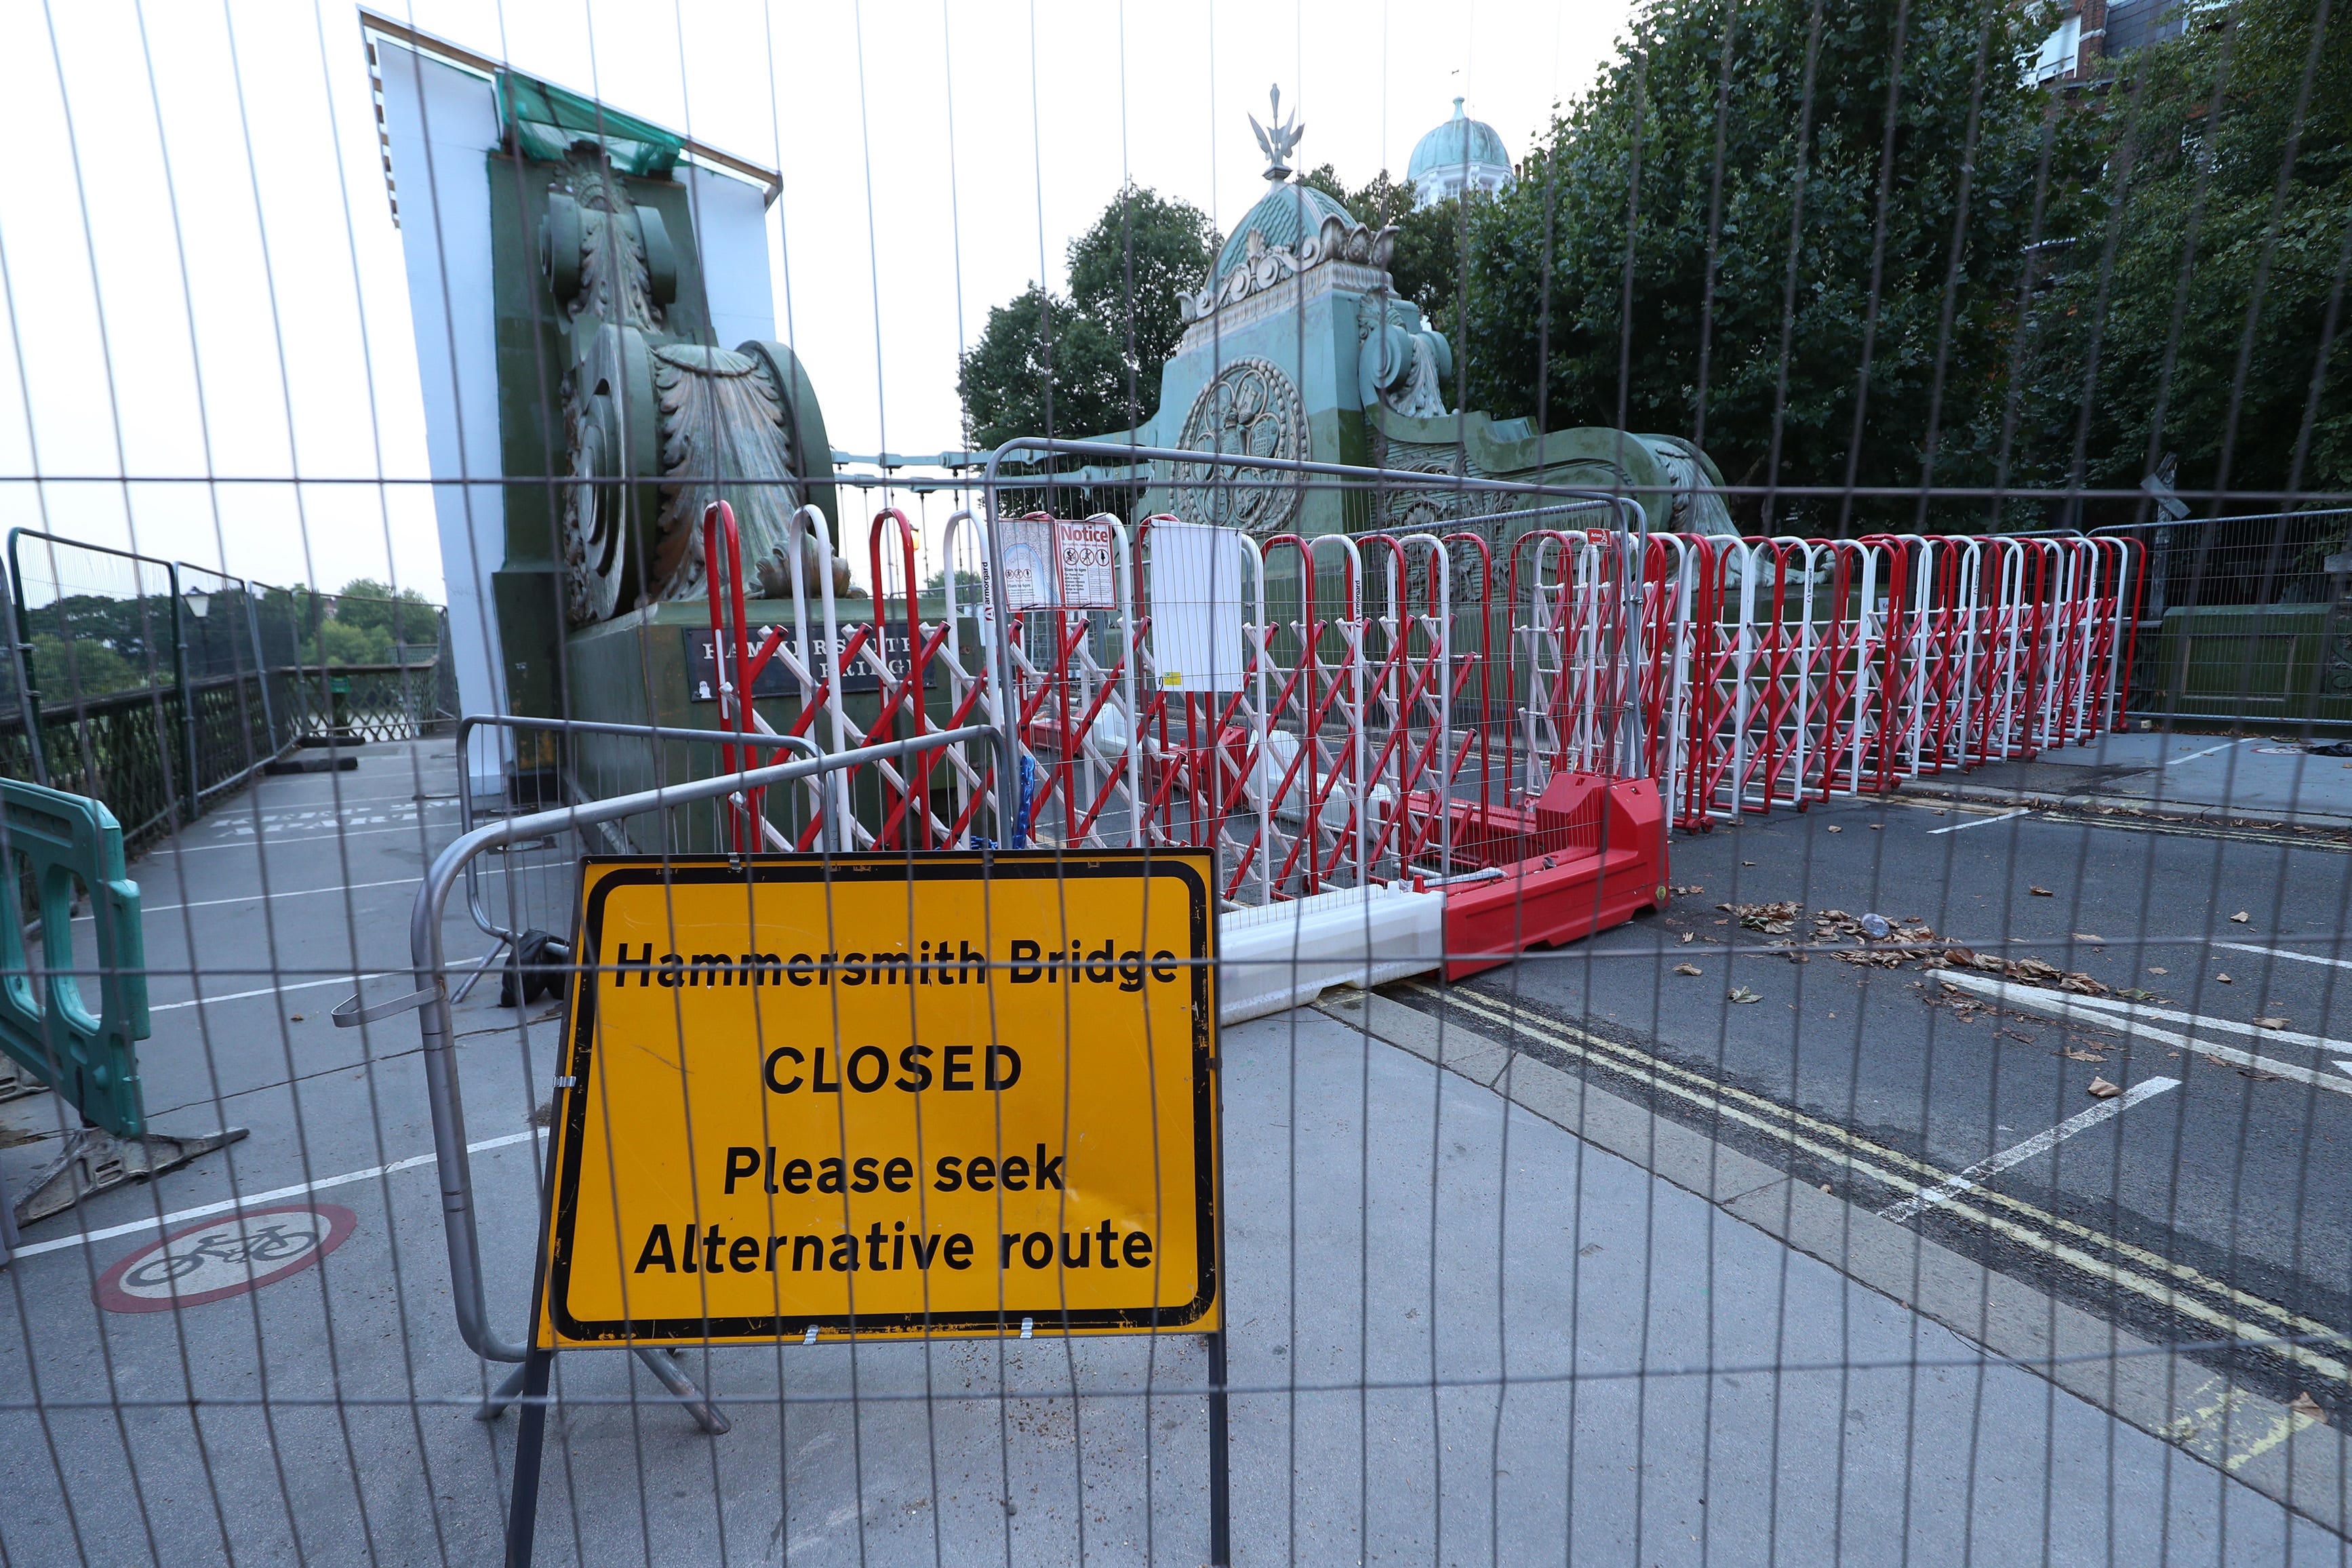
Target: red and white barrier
{"type": "Point", "coordinates": [1406, 749]}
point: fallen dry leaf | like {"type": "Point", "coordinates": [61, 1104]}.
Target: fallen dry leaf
{"type": "Point", "coordinates": [1742, 994]}
{"type": "Point", "coordinates": [1688, 969]}
{"type": "Point", "coordinates": [2074, 1055]}
{"type": "Point", "coordinates": [2103, 1090]}
{"type": "Point", "coordinates": [1835, 829]}
{"type": "Point", "coordinates": [295, 1017]}
{"type": "Point", "coordinates": [2272, 1023]}
{"type": "Point", "coordinates": [2305, 1404]}
{"type": "Point", "coordinates": [2157, 969]}
{"type": "Point", "coordinates": [1690, 936]}
{"type": "Point", "coordinates": [2041, 892]}
{"type": "Point", "coordinates": [2223, 979]}
{"type": "Point", "coordinates": [1877, 827]}
{"type": "Point", "coordinates": [2242, 917]}
{"type": "Point", "coordinates": [2088, 936]}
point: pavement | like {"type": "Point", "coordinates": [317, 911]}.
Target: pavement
{"type": "Point", "coordinates": [1536, 1266]}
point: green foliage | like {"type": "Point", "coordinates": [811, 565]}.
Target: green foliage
{"type": "Point", "coordinates": [85, 670]}
{"type": "Point", "coordinates": [128, 626]}
{"type": "Point", "coordinates": [1128, 273]}
{"type": "Point", "coordinates": [1426, 263]}
{"type": "Point", "coordinates": [967, 584]}
{"type": "Point", "coordinates": [1045, 365]}
{"type": "Point", "coordinates": [1041, 367]}
{"type": "Point", "coordinates": [1617, 285]}
{"type": "Point", "coordinates": [2221, 210]}
{"type": "Point", "coordinates": [407, 617]}
{"type": "Point", "coordinates": [342, 642]}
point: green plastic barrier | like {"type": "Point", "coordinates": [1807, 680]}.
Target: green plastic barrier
{"type": "Point", "coordinates": [49, 839]}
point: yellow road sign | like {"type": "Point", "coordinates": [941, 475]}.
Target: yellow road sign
{"type": "Point", "coordinates": [940, 1097]}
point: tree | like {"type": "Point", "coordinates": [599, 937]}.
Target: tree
{"type": "Point", "coordinates": [1128, 272]}
{"type": "Point", "coordinates": [1040, 369]}
{"type": "Point", "coordinates": [1425, 265]}
{"type": "Point", "coordinates": [1739, 286]}
{"type": "Point", "coordinates": [342, 642]}
{"type": "Point", "coordinates": [2222, 209]}
{"type": "Point", "coordinates": [1045, 365]}
{"type": "Point", "coordinates": [83, 671]}
{"type": "Point", "coordinates": [404, 618]}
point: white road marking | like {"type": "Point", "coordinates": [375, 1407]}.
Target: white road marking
{"type": "Point", "coordinates": [247, 1200]}
{"type": "Point", "coordinates": [250, 841]}
{"type": "Point", "coordinates": [2225, 1026]}
{"type": "Point", "coordinates": [2346, 1066]}
{"type": "Point", "coordinates": [2173, 761]}
{"type": "Point", "coordinates": [2163, 1281]}
{"type": "Point", "coordinates": [270, 991]}
{"type": "Point", "coordinates": [2040, 1144]}
{"type": "Point", "coordinates": [2054, 1004]}
{"type": "Point", "coordinates": [2285, 953]}
{"type": "Point", "coordinates": [288, 893]}
{"type": "Point", "coordinates": [1984, 822]}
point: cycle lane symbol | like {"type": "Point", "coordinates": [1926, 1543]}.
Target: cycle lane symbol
{"type": "Point", "coordinates": [225, 1255]}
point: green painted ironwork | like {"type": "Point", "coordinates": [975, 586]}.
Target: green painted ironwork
{"type": "Point", "coordinates": [544, 122]}
{"type": "Point", "coordinates": [159, 687]}
{"type": "Point", "coordinates": [55, 845]}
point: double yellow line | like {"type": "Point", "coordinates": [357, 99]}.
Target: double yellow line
{"type": "Point", "coordinates": [2158, 1279]}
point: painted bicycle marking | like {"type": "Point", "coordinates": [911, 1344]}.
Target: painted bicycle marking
{"type": "Point", "coordinates": [225, 1255]}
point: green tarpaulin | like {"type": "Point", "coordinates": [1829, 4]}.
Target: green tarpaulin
{"type": "Point", "coordinates": [544, 122]}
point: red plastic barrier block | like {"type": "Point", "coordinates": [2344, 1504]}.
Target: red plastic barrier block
{"type": "Point", "coordinates": [1597, 858]}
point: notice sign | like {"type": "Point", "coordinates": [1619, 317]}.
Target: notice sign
{"type": "Point", "coordinates": [1041, 555]}
{"type": "Point", "coordinates": [1088, 552]}
{"type": "Point", "coordinates": [955, 1096]}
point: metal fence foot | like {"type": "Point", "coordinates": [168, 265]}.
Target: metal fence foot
{"type": "Point", "coordinates": [479, 969]}
{"type": "Point", "coordinates": [15, 1083]}
{"type": "Point", "coordinates": [495, 1403]}
{"type": "Point", "coordinates": [665, 1366]}
{"type": "Point", "coordinates": [95, 1161]}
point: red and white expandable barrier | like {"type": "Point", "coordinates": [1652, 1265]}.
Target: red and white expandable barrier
{"type": "Point", "coordinates": [1409, 751]}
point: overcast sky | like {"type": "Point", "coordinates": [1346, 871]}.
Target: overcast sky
{"type": "Point", "coordinates": [203, 277]}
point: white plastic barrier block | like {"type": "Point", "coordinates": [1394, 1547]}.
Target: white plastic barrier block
{"type": "Point", "coordinates": [1284, 956]}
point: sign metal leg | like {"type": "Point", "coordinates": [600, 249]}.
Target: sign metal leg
{"type": "Point", "coordinates": [1221, 1520]}
{"type": "Point", "coordinates": [522, 1512]}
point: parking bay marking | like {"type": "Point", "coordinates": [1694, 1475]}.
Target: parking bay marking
{"type": "Point", "coordinates": [2200, 1020]}
{"type": "Point", "coordinates": [1969, 1179]}
{"type": "Point", "coordinates": [1985, 821]}
{"type": "Point", "coordinates": [289, 892]}
{"type": "Point", "coordinates": [2285, 953]}
{"type": "Point", "coordinates": [247, 1200]}
{"type": "Point", "coordinates": [273, 990]}
{"type": "Point", "coordinates": [2051, 1004]}
{"type": "Point", "coordinates": [2160, 1280]}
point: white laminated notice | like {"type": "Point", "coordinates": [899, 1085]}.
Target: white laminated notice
{"type": "Point", "coordinates": [1197, 579]}
{"type": "Point", "coordinates": [1026, 547]}
{"type": "Point", "coordinates": [1088, 550]}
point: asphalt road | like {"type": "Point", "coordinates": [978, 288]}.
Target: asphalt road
{"type": "Point", "coordinates": [2213, 1209]}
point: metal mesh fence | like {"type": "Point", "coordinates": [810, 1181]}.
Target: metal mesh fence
{"type": "Point", "coordinates": [1649, 868]}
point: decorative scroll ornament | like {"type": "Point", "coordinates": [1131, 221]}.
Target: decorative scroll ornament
{"type": "Point", "coordinates": [656, 428]}
{"type": "Point", "coordinates": [1265, 264]}
{"type": "Point", "coordinates": [1402, 361]}
{"type": "Point", "coordinates": [1252, 409]}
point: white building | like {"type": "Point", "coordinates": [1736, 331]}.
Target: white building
{"type": "Point", "coordinates": [1462, 154]}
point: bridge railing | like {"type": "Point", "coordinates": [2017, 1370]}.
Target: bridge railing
{"type": "Point", "coordinates": [157, 686]}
